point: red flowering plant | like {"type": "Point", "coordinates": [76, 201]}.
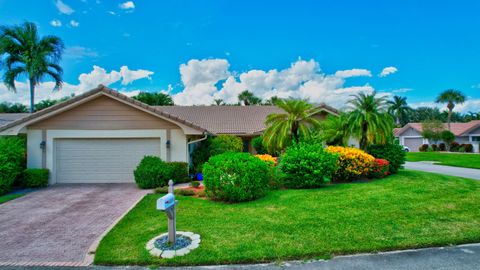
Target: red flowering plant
{"type": "Point", "coordinates": [380, 168]}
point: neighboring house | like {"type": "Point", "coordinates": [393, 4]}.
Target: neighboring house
{"type": "Point", "coordinates": [101, 136]}
{"type": "Point", "coordinates": [411, 134]}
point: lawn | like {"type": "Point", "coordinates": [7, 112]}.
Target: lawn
{"type": "Point", "coordinates": [450, 159]}
{"type": "Point", "coordinates": [408, 210]}
{"type": "Point", "coordinates": [9, 197]}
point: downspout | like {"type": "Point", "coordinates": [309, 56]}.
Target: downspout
{"type": "Point", "coordinates": [192, 142]}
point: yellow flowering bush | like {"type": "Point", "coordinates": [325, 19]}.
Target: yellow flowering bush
{"type": "Point", "coordinates": [352, 163]}
{"type": "Point", "coordinates": [268, 159]}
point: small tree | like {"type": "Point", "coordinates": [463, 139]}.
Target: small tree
{"type": "Point", "coordinates": [225, 143]}
{"type": "Point", "coordinates": [448, 137]}
{"type": "Point", "coordinates": [432, 130]}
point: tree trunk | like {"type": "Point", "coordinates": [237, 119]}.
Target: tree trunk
{"type": "Point", "coordinates": [32, 95]}
{"type": "Point", "coordinates": [295, 131]}
{"type": "Point", "coordinates": [364, 138]}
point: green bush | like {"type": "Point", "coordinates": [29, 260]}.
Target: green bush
{"type": "Point", "coordinates": [307, 165]}
{"type": "Point", "coordinates": [195, 184]}
{"type": "Point", "coordinates": [35, 178]}
{"type": "Point", "coordinates": [179, 171]}
{"type": "Point", "coordinates": [447, 136]}
{"type": "Point", "coordinates": [12, 161]}
{"type": "Point", "coordinates": [184, 192]}
{"type": "Point", "coordinates": [257, 144]}
{"type": "Point", "coordinates": [161, 190]}
{"type": "Point", "coordinates": [200, 155]}
{"type": "Point", "coordinates": [423, 148]}
{"type": "Point", "coordinates": [394, 153]}
{"type": "Point", "coordinates": [152, 172]}
{"type": "Point", "coordinates": [225, 143]}
{"type": "Point", "coordinates": [236, 177]}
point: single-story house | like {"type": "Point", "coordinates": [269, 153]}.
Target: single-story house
{"type": "Point", "coordinates": [411, 134]}
{"type": "Point", "coordinates": [101, 135]}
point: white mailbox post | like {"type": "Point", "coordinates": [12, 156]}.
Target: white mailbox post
{"type": "Point", "coordinates": [167, 204]}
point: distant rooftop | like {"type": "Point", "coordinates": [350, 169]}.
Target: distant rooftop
{"type": "Point", "coordinates": [6, 118]}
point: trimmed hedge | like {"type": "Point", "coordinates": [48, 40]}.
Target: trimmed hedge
{"type": "Point", "coordinates": [236, 177]}
{"type": "Point", "coordinates": [394, 153]}
{"type": "Point", "coordinates": [35, 178]}
{"type": "Point", "coordinates": [307, 165]}
{"type": "Point", "coordinates": [257, 144]}
{"type": "Point", "coordinates": [225, 143]}
{"type": "Point", "coordinates": [12, 161]}
{"type": "Point", "coordinates": [152, 172]}
{"type": "Point", "coordinates": [179, 171]}
{"type": "Point", "coordinates": [423, 148]}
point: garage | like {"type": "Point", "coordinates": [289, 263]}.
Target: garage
{"type": "Point", "coordinates": [413, 143]}
{"type": "Point", "coordinates": [106, 160]}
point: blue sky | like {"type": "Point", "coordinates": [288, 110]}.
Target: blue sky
{"type": "Point", "coordinates": [289, 48]}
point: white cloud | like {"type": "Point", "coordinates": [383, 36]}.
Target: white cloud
{"type": "Point", "coordinates": [356, 72]}
{"type": "Point", "coordinates": [402, 90]}
{"type": "Point", "coordinates": [470, 105]}
{"type": "Point", "coordinates": [79, 52]}
{"type": "Point", "coordinates": [74, 23]}
{"type": "Point", "coordinates": [128, 76]}
{"type": "Point", "coordinates": [55, 23]}
{"type": "Point", "coordinates": [387, 71]}
{"type": "Point", "coordinates": [63, 8]}
{"type": "Point", "coordinates": [127, 5]}
{"type": "Point", "coordinates": [112, 13]}
{"type": "Point", "coordinates": [206, 80]}
{"type": "Point", "coordinates": [87, 81]}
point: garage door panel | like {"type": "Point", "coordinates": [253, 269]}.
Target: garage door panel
{"type": "Point", "coordinates": [413, 143]}
{"type": "Point", "coordinates": [101, 160]}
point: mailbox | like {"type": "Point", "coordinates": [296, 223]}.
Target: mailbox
{"type": "Point", "coordinates": [165, 202]}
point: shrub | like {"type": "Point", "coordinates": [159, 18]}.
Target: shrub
{"type": "Point", "coordinates": [307, 165]}
{"type": "Point", "coordinates": [442, 147]}
{"type": "Point", "coordinates": [12, 161]}
{"type": "Point", "coordinates": [225, 143]}
{"type": "Point", "coordinates": [454, 146]}
{"type": "Point", "coordinates": [468, 148]}
{"type": "Point", "coordinates": [152, 172]}
{"type": "Point", "coordinates": [179, 171]}
{"type": "Point", "coordinates": [236, 177]}
{"type": "Point", "coordinates": [394, 153]}
{"type": "Point", "coordinates": [434, 147]}
{"type": "Point", "coordinates": [352, 163]}
{"type": "Point", "coordinates": [200, 155]}
{"type": "Point", "coordinates": [35, 178]}
{"type": "Point", "coordinates": [195, 184]}
{"type": "Point", "coordinates": [257, 144]}
{"type": "Point", "coordinates": [161, 190]}
{"type": "Point", "coordinates": [380, 168]}
{"type": "Point", "coordinates": [447, 136]}
{"type": "Point", "coordinates": [423, 148]}
{"type": "Point", "coordinates": [184, 192]}
{"type": "Point", "coordinates": [272, 161]}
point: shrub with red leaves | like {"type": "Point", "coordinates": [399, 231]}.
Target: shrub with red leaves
{"type": "Point", "coordinates": [380, 168]}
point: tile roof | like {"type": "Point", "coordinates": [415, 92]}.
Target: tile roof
{"type": "Point", "coordinates": [6, 118]}
{"type": "Point", "coordinates": [457, 128]}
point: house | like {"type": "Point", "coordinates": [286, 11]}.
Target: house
{"type": "Point", "coordinates": [101, 135]}
{"type": "Point", "coordinates": [411, 134]}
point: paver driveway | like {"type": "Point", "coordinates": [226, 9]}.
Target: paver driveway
{"type": "Point", "coordinates": [59, 224]}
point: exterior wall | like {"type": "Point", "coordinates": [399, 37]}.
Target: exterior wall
{"type": "Point", "coordinates": [463, 139]}
{"type": "Point", "coordinates": [475, 131]}
{"type": "Point", "coordinates": [34, 152]}
{"type": "Point", "coordinates": [103, 113]}
{"type": "Point", "coordinates": [178, 146]}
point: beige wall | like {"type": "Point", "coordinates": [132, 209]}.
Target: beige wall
{"type": "Point", "coordinates": [101, 114]}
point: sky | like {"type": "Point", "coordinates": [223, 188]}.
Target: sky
{"type": "Point", "coordinates": [199, 51]}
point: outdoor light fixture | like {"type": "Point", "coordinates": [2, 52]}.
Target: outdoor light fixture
{"type": "Point", "coordinates": [43, 144]}
{"type": "Point", "coordinates": [168, 143]}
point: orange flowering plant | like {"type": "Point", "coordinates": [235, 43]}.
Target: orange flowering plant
{"type": "Point", "coordinates": [352, 163]}
{"type": "Point", "coordinates": [268, 159]}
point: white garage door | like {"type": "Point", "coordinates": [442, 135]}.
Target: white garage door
{"type": "Point", "coordinates": [101, 160]}
{"type": "Point", "coordinates": [413, 143]}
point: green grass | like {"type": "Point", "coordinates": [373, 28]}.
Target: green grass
{"type": "Point", "coordinates": [450, 159]}
{"type": "Point", "coordinates": [408, 210]}
{"type": "Point", "coordinates": [9, 197]}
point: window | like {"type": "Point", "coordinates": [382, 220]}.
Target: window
{"type": "Point", "coordinates": [475, 138]}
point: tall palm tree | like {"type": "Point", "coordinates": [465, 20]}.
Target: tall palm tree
{"type": "Point", "coordinates": [451, 97]}
{"type": "Point", "coordinates": [25, 53]}
{"type": "Point", "coordinates": [248, 98]}
{"type": "Point", "coordinates": [398, 108]}
{"type": "Point", "coordinates": [296, 122]}
{"type": "Point", "coordinates": [369, 119]}
{"type": "Point", "coordinates": [154, 99]}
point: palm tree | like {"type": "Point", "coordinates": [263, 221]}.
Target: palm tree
{"type": "Point", "coordinates": [369, 120]}
{"type": "Point", "coordinates": [24, 53]}
{"type": "Point", "coordinates": [451, 97]}
{"type": "Point", "coordinates": [248, 98]}
{"type": "Point", "coordinates": [398, 108]}
{"type": "Point", "coordinates": [296, 122]}
{"type": "Point", "coordinates": [335, 131]}
{"type": "Point", "coordinates": [154, 99]}
{"type": "Point", "coordinates": [218, 102]}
